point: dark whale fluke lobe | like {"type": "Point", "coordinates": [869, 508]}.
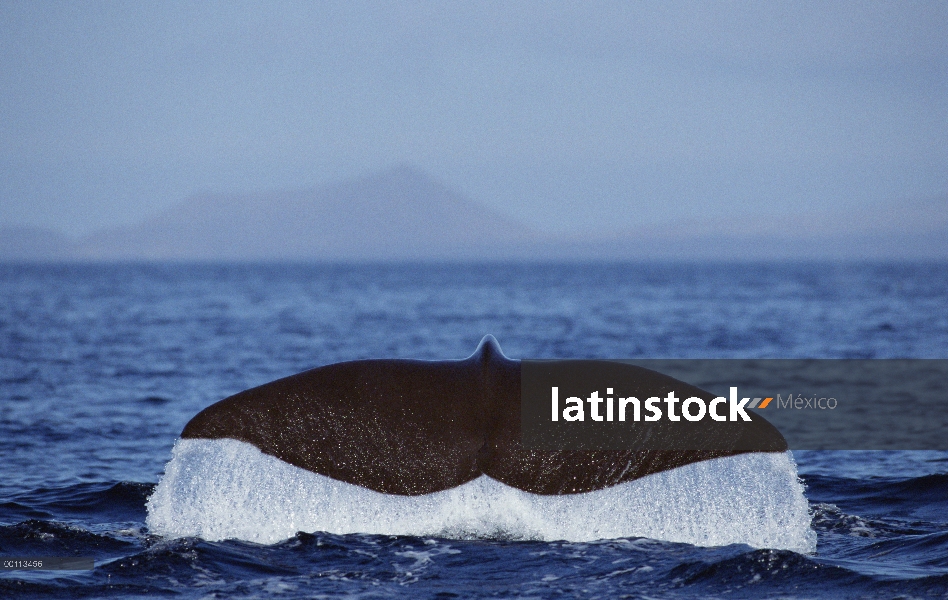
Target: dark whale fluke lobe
{"type": "Point", "coordinates": [412, 427]}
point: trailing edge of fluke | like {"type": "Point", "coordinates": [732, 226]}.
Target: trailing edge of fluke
{"type": "Point", "coordinates": [414, 427]}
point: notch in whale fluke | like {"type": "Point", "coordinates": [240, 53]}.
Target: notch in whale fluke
{"type": "Point", "coordinates": [415, 427]}
{"type": "Point", "coordinates": [487, 350]}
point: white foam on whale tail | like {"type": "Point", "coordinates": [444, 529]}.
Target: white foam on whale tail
{"type": "Point", "coordinates": [222, 489]}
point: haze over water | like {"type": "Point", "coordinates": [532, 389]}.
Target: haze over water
{"type": "Point", "coordinates": [591, 120]}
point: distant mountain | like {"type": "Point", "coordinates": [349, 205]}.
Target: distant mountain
{"type": "Point", "coordinates": [402, 214]}
{"type": "Point", "coordinates": [394, 215]}
{"type": "Point", "coordinates": [34, 244]}
{"type": "Point", "coordinates": [908, 230]}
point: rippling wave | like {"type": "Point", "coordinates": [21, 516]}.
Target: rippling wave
{"type": "Point", "coordinates": [101, 367]}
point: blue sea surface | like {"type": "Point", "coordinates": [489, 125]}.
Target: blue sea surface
{"type": "Point", "coordinates": [101, 366]}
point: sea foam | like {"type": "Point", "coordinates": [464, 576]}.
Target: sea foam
{"type": "Point", "coordinates": [221, 489]}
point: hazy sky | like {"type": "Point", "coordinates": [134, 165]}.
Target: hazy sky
{"type": "Point", "coordinates": [565, 115]}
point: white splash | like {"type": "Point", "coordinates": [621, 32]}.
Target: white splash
{"type": "Point", "coordinates": [220, 489]}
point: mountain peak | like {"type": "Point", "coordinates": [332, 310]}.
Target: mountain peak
{"type": "Point", "coordinates": [396, 214]}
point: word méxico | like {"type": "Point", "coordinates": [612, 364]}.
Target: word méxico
{"type": "Point", "coordinates": [801, 402]}
{"type": "Point", "coordinates": [692, 409]}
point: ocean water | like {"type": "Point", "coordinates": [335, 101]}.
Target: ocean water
{"type": "Point", "coordinates": [101, 366]}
